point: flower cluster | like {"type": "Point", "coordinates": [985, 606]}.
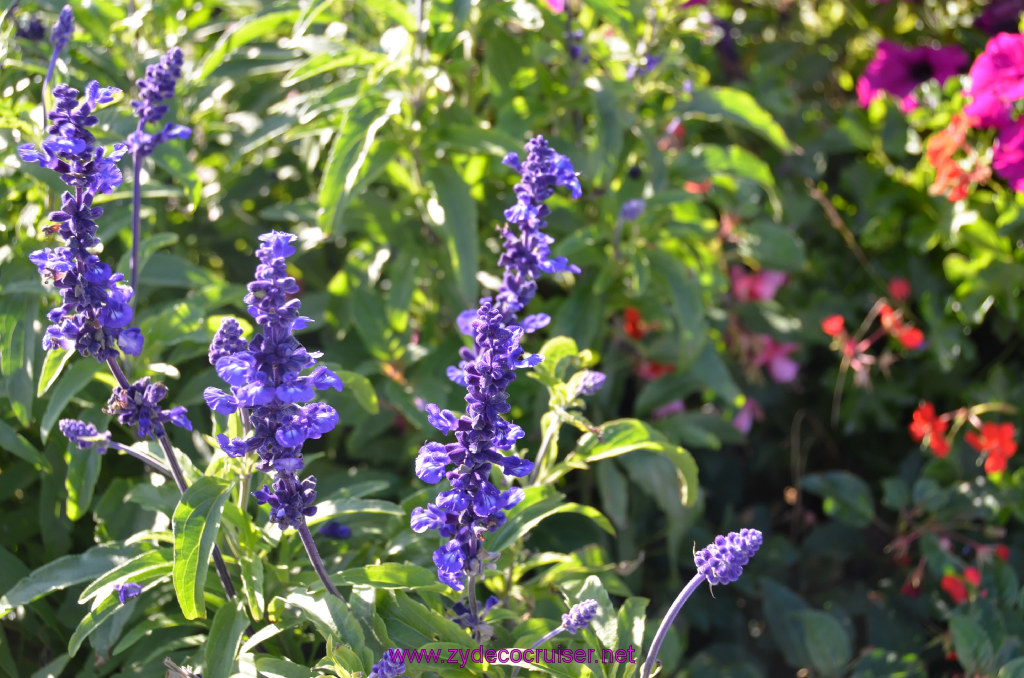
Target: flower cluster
{"type": "Point", "coordinates": [138, 406]}
{"type": "Point", "coordinates": [956, 586]}
{"type": "Point", "coordinates": [944, 151]}
{"type": "Point", "coordinates": [722, 561]}
{"type": "Point", "coordinates": [474, 506]}
{"type": "Point", "coordinates": [994, 440]}
{"type": "Point", "coordinates": [265, 375]}
{"type": "Point", "coordinates": [84, 435]}
{"type": "Point", "coordinates": [391, 665]}
{"type": "Point", "coordinates": [898, 70]}
{"type": "Point", "coordinates": [156, 87]}
{"type": "Point", "coordinates": [94, 316]}
{"type": "Point", "coordinates": [580, 615]}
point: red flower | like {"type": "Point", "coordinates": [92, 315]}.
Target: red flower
{"type": "Point", "coordinates": [910, 337]}
{"type": "Point", "coordinates": [926, 424]}
{"type": "Point", "coordinates": [997, 441]}
{"type": "Point", "coordinates": [954, 587]}
{"type": "Point", "coordinates": [1003, 552]}
{"type": "Point", "coordinates": [694, 187]}
{"type": "Point", "coordinates": [973, 576]}
{"type": "Point", "coordinates": [833, 325]}
{"type": "Point", "coordinates": [634, 323]}
{"type": "Point", "coordinates": [650, 370]}
{"type": "Point", "coordinates": [899, 289]}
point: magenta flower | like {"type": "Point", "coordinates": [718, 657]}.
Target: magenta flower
{"type": "Point", "coordinates": [997, 80]}
{"type": "Point", "coordinates": [556, 6]}
{"type": "Point", "coordinates": [760, 286]}
{"type": "Point", "coordinates": [744, 419]}
{"type": "Point", "coordinates": [775, 355]}
{"type": "Point", "coordinates": [1008, 155]}
{"type": "Point", "coordinates": [898, 70]}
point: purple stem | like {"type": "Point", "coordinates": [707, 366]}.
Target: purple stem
{"type": "Point", "coordinates": [666, 623]}
{"type": "Point", "coordinates": [179, 480]}
{"type": "Point", "coordinates": [315, 560]}
{"type": "Point", "coordinates": [133, 264]}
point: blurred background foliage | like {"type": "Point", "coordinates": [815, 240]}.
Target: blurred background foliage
{"type": "Point", "coordinates": [375, 132]}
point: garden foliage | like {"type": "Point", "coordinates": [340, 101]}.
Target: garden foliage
{"type": "Point", "coordinates": [329, 328]}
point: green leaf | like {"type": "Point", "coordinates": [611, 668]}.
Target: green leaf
{"type": "Point", "coordinates": [391, 576]}
{"type": "Point", "coordinates": [771, 246]}
{"type": "Point", "coordinates": [540, 504]}
{"type": "Point", "coordinates": [348, 154]}
{"type": "Point", "coordinates": [973, 647]}
{"type": "Point", "coordinates": [692, 328]}
{"type": "Point", "coordinates": [411, 624]}
{"type": "Point", "coordinates": [360, 387]}
{"type": "Point", "coordinates": [7, 665]}
{"type": "Point", "coordinates": [782, 608]}
{"type": "Point", "coordinates": [622, 436]}
{"type": "Point", "coordinates": [331, 508]}
{"type": "Point", "coordinates": [605, 623]}
{"type": "Point", "coordinates": [13, 442]}
{"type": "Point", "coordinates": [555, 351]}
{"type": "Point", "coordinates": [827, 642]}
{"type": "Point", "coordinates": [106, 609]}
{"type": "Point", "coordinates": [1012, 669]}
{"type": "Point", "coordinates": [252, 585]}
{"type": "Point", "coordinates": [196, 522]}
{"type": "Point", "coordinates": [718, 104]}
{"type": "Point", "coordinates": [847, 496]}
{"type": "Point", "coordinates": [75, 379]}
{"type": "Point", "coordinates": [329, 614]}
{"type": "Point", "coordinates": [238, 35]}
{"type": "Point", "coordinates": [64, 572]}
{"type": "Point", "coordinates": [882, 663]}
{"type": "Point", "coordinates": [145, 566]}
{"type": "Point", "coordinates": [453, 209]}
{"type": "Point", "coordinates": [632, 621]}
{"type": "Point", "coordinates": [272, 667]}
{"type": "Point", "coordinates": [225, 635]}
{"type": "Point", "coordinates": [53, 363]}
{"type": "Point", "coordinates": [80, 482]}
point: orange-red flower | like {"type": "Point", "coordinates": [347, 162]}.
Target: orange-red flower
{"type": "Point", "coordinates": [899, 289]}
{"type": "Point", "coordinates": [950, 175]}
{"type": "Point", "coordinates": [634, 323]}
{"type": "Point", "coordinates": [833, 325]}
{"type": "Point", "coordinates": [927, 424]}
{"type": "Point", "coordinates": [910, 337]}
{"type": "Point", "coordinates": [954, 587]}
{"type": "Point", "coordinates": [997, 441]}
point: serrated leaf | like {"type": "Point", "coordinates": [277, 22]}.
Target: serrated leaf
{"type": "Point", "coordinates": [196, 522]}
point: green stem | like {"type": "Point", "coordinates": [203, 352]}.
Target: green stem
{"type": "Point", "coordinates": [545, 445]}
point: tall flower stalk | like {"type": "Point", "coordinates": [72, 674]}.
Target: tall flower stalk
{"type": "Point", "coordinates": [271, 395]}
{"type": "Point", "coordinates": [156, 87]}
{"type": "Point", "coordinates": [60, 36]}
{"type": "Point", "coordinates": [720, 563]}
{"type": "Point", "coordinates": [474, 506]}
{"type": "Point", "coordinates": [94, 316]}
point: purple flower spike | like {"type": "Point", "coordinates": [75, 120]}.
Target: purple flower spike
{"type": "Point", "coordinates": [265, 375]}
{"type": "Point", "coordinates": [723, 560]}
{"type": "Point", "coordinates": [127, 591]}
{"type": "Point", "coordinates": [84, 435]}
{"type": "Point", "coordinates": [155, 88]}
{"type": "Point", "coordinates": [580, 615]}
{"type": "Point", "coordinates": [62, 31]}
{"type": "Point", "coordinates": [94, 315]}
{"type": "Point", "coordinates": [391, 665]}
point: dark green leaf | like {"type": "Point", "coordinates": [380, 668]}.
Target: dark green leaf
{"type": "Point", "coordinates": [196, 522]}
{"type": "Point", "coordinates": [64, 572]}
{"type": "Point", "coordinates": [847, 497]}
{"type": "Point", "coordinates": [225, 635]}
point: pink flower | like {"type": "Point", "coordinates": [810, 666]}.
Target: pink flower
{"type": "Point", "coordinates": [744, 419]}
{"type": "Point", "coordinates": [760, 286]}
{"type": "Point", "coordinates": [997, 80]}
{"type": "Point", "coordinates": [775, 355]}
{"type": "Point", "coordinates": [1008, 155]}
{"type": "Point", "coordinates": [898, 70]}
{"type": "Point", "coordinates": [556, 6]}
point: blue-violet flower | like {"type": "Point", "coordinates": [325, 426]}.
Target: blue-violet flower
{"type": "Point", "coordinates": [138, 406]}
{"type": "Point", "coordinates": [722, 561]}
{"type": "Point", "coordinates": [94, 316]}
{"type": "Point", "coordinates": [391, 665]}
{"type": "Point", "coordinates": [127, 591]}
{"type": "Point", "coordinates": [84, 435]}
{"type": "Point", "coordinates": [335, 530]}
{"type": "Point", "coordinates": [474, 506]}
{"type": "Point", "coordinates": [156, 87]}
{"type": "Point", "coordinates": [266, 380]}
{"type": "Point", "coordinates": [580, 615]}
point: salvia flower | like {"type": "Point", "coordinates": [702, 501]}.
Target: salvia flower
{"type": "Point", "coordinates": [84, 435]}
{"type": "Point", "coordinates": [94, 316]}
{"type": "Point", "coordinates": [721, 562]}
{"type": "Point", "coordinates": [155, 88]}
{"type": "Point", "coordinates": [632, 209]}
{"type": "Point", "coordinates": [127, 591]}
{"type": "Point", "coordinates": [267, 381]}
{"type": "Point", "coordinates": [474, 506]}
{"type": "Point", "coordinates": [580, 615]}
{"type": "Point", "coordinates": [589, 383]}
{"type": "Point", "coordinates": [391, 665]}
{"type": "Point", "coordinates": [335, 530]}
{"type": "Point", "coordinates": [60, 36]}
{"type": "Point", "coordinates": [33, 29]}
{"type": "Point", "coordinates": [138, 406]}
